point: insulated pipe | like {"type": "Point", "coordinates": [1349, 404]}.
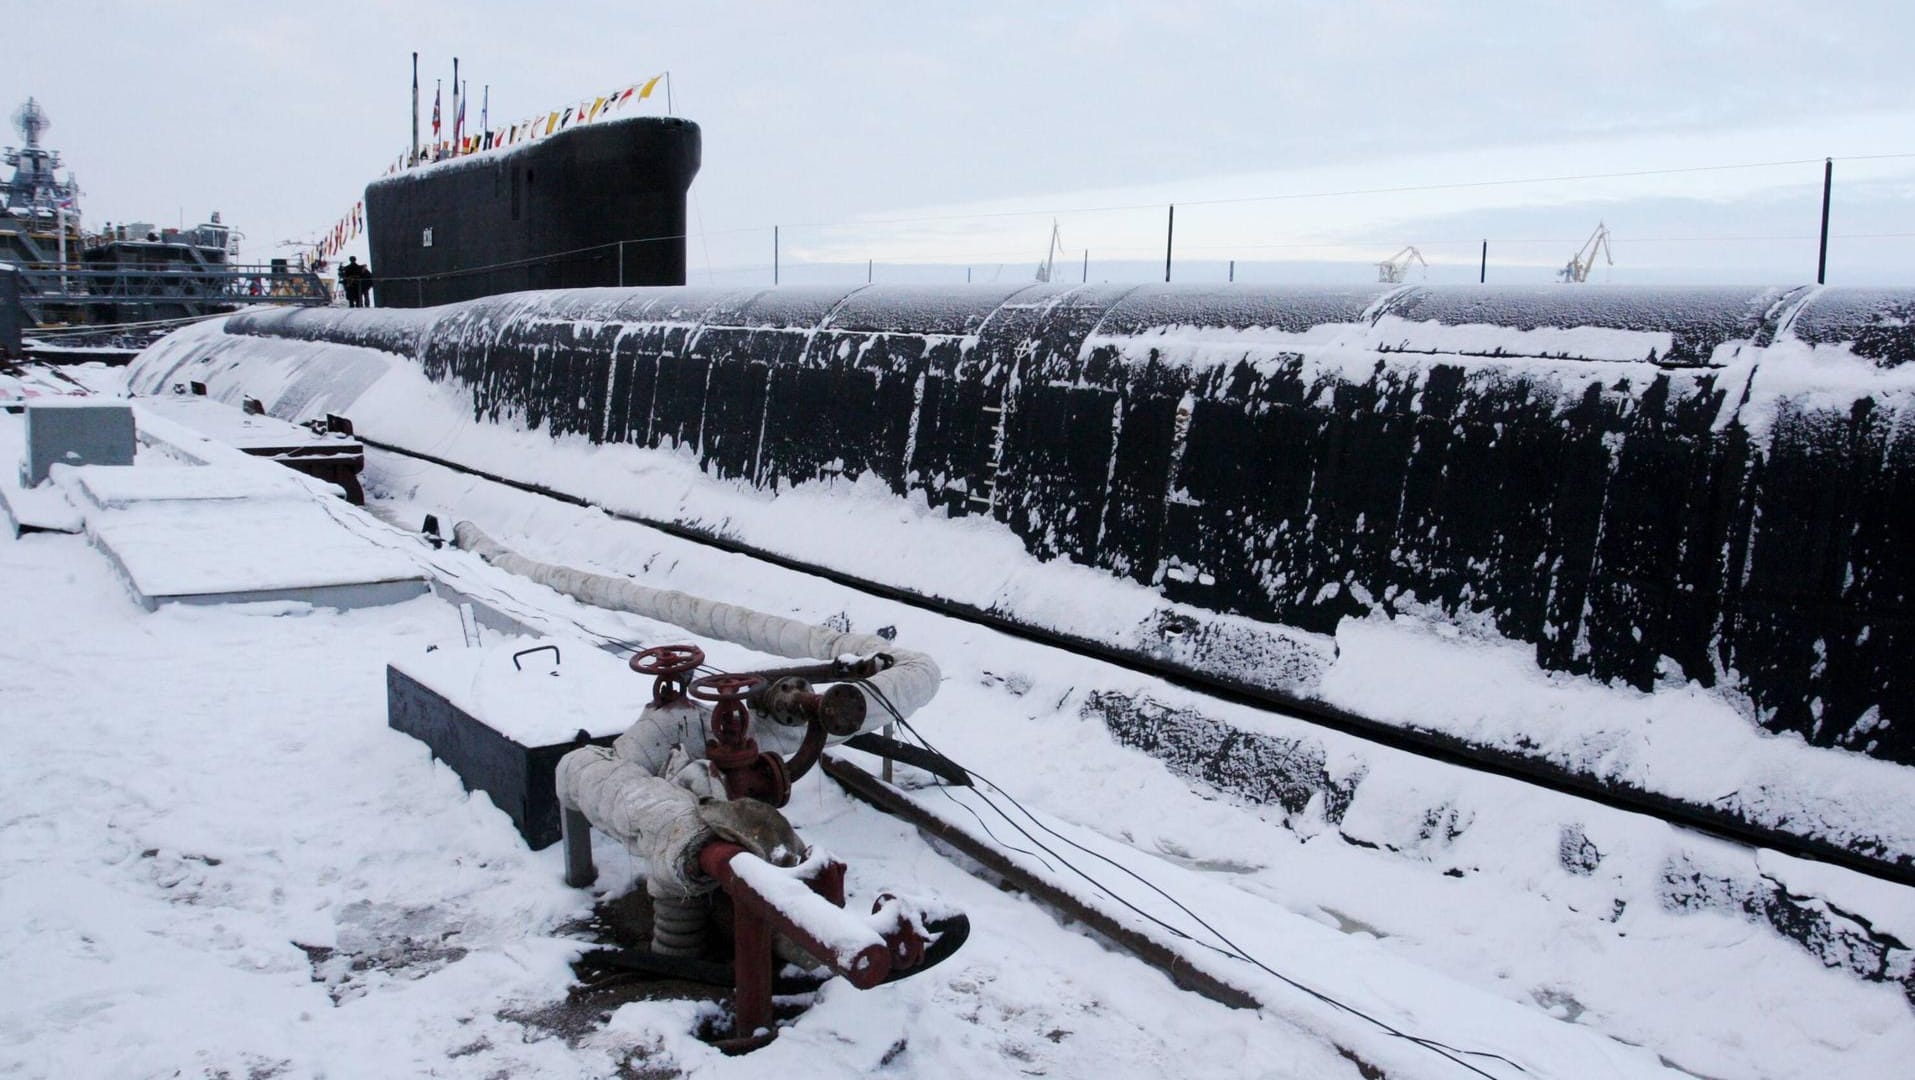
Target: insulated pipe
{"type": "Point", "coordinates": [908, 685]}
{"type": "Point", "coordinates": [654, 818]}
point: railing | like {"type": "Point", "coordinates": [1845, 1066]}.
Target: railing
{"type": "Point", "coordinates": [142, 289]}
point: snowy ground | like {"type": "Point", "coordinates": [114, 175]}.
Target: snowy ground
{"type": "Point", "coordinates": [199, 802]}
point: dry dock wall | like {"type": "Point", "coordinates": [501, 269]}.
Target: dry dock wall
{"type": "Point", "coordinates": [1711, 484]}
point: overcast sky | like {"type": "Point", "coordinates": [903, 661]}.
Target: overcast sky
{"type": "Point", "coordinates": [841, 120]}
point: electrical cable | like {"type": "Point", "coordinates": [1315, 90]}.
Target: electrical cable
{"type": "Point", "coordinates": [1461, 185]}
{"type": "Point", "coordinates": [1229, 949]}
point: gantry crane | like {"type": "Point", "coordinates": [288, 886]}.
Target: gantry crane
{"type": "Point", "coordinates": [1391, 270]}
{"type": "Point", "coordinates": [1577, 270]}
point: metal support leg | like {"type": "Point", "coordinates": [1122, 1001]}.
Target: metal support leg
{"type": "Point", "coordinates": [576, 834]}
{"type": "Point", "coordinates": [751, 964]}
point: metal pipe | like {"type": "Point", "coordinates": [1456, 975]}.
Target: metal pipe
{"type": "Point", "coordinates": [906, 685]}
{"type": "Point", "coordinates": [790, 701]}
{"type": "Point", "coordinates": [575, 833]}
{"type": "Point", "coordinates": [831, 671]}
{"type": "Point", "coordinates": [806, 919]}
{"type": "Point", "coordinates": [751, 966]}
{"type": "Point", "coordinates": [678, 924]}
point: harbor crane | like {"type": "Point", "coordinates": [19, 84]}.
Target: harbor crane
{"type": "Point", "coordinates": [1577, 270]}
{"type": "Point", "coordinates": [1045, 268]}
{"type": "Point", "coordinates": [1391, 270]}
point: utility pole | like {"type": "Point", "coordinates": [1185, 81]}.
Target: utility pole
{"type": "Point", "coordinates": [867, 271]}
{"type": "Point", "coordinates": [1086, 277]}
{"type": "Point", "coordinates": [1482, 271]}
{"type": "Point", "coordinates": [1828, 182]}
{"type": "Point", "coordinates": [1170, 234]}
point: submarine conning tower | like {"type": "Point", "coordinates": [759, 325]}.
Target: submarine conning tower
{"type": "Point", "coordinates": [597, 205]}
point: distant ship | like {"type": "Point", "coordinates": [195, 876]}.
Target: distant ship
{"type": "Point", "coordinates": [599, 204]}
{"type": "Point", "coordinates": [134, 272]}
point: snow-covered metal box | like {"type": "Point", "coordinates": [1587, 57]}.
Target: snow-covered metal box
{"type": "Point", "coordinates": [501, 716]}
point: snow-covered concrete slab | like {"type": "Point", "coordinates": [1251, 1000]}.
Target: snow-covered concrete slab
{"type": "Point", "coordinates": [36, 509]}
{"type": "Point", "coordinates": [208, 432]}
{"type": "Point", "coordinates": [253, 433]}
{"type": "Point", "coordinates": [114, 487]}
{"type": "Point", "coordinates": [220, 551]}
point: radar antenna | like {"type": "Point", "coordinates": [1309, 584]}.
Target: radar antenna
{"type": "Point", "coordinates": [32, 122]}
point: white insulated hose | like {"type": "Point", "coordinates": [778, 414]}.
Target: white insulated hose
{"type": "Point", "coordinates": [909, 684]}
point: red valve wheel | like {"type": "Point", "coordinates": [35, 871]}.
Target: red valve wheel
{"type": "Point", "coordinates": [668, 660]}
{"type": "Point", "coordinates": [722, 688]}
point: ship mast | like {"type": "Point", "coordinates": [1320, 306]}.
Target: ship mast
{"type": "Point", "coordinates": [34, 190]}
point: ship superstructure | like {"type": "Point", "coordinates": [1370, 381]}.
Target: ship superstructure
{"type": "Point", "coordinates": [42, 220]}
{"type": "Point", "coordinates": [131, 273]}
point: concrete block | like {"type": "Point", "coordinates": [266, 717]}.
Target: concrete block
{"type": "Point", "coordinates": [76, 433]}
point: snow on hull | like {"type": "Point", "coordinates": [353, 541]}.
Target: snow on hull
{"type": "Point", "coordinates": [1671, 492]}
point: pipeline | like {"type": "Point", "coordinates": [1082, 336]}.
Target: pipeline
{"type": "Point", "coordinates": [908, 684]}
{"type": "Point", "coordinates": [1643, 485]}
{"type": "Point", "coordinates": [676, 800]}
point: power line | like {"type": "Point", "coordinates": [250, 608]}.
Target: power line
{"type": "Point", "coordinates": [1229, 948]}
{"type": "Point", "coordinates": [704, 234]}
{"type": "Point", "coordinates": [1346, 192]}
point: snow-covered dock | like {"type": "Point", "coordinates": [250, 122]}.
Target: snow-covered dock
{"type": "Point", "coordinates": [240, 531]}
{"type": "Point", "coordinates": [216, 857]}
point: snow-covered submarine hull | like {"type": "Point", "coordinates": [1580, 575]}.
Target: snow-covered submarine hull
{"type": "Point", "coordinates": [1646, 486]}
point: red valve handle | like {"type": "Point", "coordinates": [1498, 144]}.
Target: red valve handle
{"type": "Point", "coordinates": [668, 660]}
{"type": "Point", "coordinates": [722, 688]}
